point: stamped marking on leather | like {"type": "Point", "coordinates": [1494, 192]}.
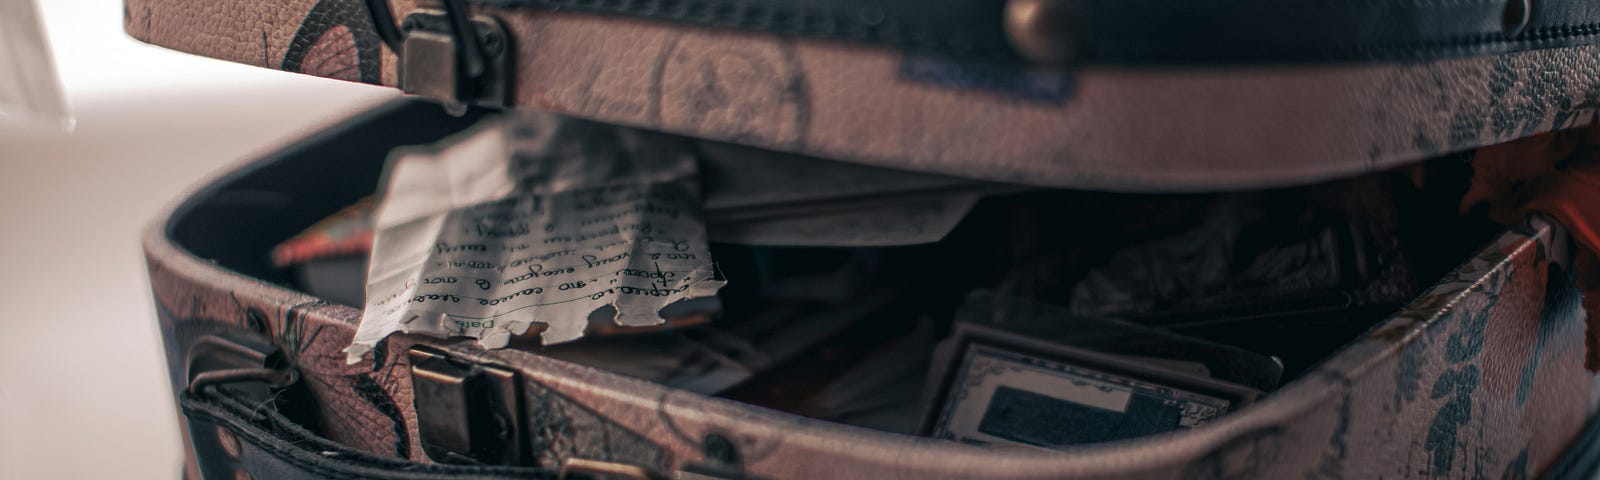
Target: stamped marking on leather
{"type": "Point", "coordinates": [1524, 96]}
{"type": "Point", "coordinates": [369, 390]}
{"type": "Point", "coordinates": [1561, 306]}
{"type": "Point", "coordinates": [336, 40]}
{"type": "Point", "coordinates": [745, 92]}
{"type": "Point", "coordinates": [290, 334]}
{"type": "Point", "coordinates": [1458, 382]}
{"type": "Point", "coordinates": [1408, 374]}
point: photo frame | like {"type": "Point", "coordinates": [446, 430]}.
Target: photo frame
{"type": "Point", "coordinates": [992, 387]}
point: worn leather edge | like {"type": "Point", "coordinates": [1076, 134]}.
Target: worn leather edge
{"type": "Point", "coordinates": [1104, 128]}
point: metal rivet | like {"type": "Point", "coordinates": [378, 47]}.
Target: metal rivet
{"type": "Point", "coordinates": [230, 443]}
{"type": "Point", "coordinates": [1042, 30]}
{"type": "Point", "coordinates": [1516, 16]}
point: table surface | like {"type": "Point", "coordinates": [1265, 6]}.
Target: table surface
{"type": "Point", "coordinates": [83, 388]}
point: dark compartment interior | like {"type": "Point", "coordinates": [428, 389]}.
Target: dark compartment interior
{"type": "Point", "coordinates": [1219, 281]}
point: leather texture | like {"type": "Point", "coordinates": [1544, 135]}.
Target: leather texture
{"type": "Point", "coordinates": [1481, 375]}
{"type": "Point", "coordinates": [1096, 127]}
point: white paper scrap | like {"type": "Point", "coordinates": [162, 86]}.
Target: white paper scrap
{"type": "Point", "coordinates": [535, 220]}
{"type": "Point", "coordinates": [29, 87]}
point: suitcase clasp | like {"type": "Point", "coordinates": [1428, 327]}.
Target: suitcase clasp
{"type": "Point", "coordinates": [448, 55]}
{"type": "Point", "coordinates": [466, 412]}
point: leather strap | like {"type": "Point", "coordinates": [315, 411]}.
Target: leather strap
{"type": "Point", "coordinates": [1104, 128]}
{"type": "Point", "coordinates": [230, 437]}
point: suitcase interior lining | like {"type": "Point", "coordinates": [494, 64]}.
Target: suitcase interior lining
{"type": "Point", "coordinates": [238, 220]}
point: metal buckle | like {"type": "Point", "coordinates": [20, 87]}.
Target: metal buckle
{"type": "Point", "coordinates": [467, 413]}
{"type": "Point", "coordinates": [447, 56]}
{"type": "Point", "coordinates": [272, 377]}
{"type": "Point", "coordinates": [236, 358]}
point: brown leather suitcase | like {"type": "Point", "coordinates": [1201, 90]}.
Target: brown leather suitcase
{"type": "Point", "coordinates": [1482, 374]}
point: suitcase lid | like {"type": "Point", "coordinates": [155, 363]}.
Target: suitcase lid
{"type": "Point", "coordinates": [1140, 96]}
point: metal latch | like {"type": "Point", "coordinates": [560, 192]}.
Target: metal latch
{"type": "Point", "coordinates": [449, 55]}
{"type": "Point", "coordinates": [467, 413]}
{"type": "Point", "coordinates": [253, 366]}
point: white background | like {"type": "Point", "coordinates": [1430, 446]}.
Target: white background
{"type": "Point", "coordinates": [83, 390]}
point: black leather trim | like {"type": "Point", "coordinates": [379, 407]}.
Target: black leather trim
{"type": "Point", "coordinates": [1151, 31]}
{"type": "Point", "coordinates": [268, 446]}
{"type": "Point", "coordinates": [967, 28]}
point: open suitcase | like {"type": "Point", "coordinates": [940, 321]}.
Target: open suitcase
{"type": "Point", "coordinates": [1480, 374]}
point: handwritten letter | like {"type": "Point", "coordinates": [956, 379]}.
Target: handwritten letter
{"type": "Point", "coordinates": [538, 220]}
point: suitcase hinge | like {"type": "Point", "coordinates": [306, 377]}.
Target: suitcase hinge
{"type": "Point", "coordinates": [448, 55]}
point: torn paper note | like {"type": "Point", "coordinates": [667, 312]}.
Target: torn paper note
{"type": "Point", "coordinates": [535, 219]}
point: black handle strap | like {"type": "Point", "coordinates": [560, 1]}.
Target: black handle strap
{"type": "Point", "coordinates": [232, 435]}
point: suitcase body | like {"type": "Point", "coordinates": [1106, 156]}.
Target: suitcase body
{"type": "Point", "coordinates": [1481, 375]}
